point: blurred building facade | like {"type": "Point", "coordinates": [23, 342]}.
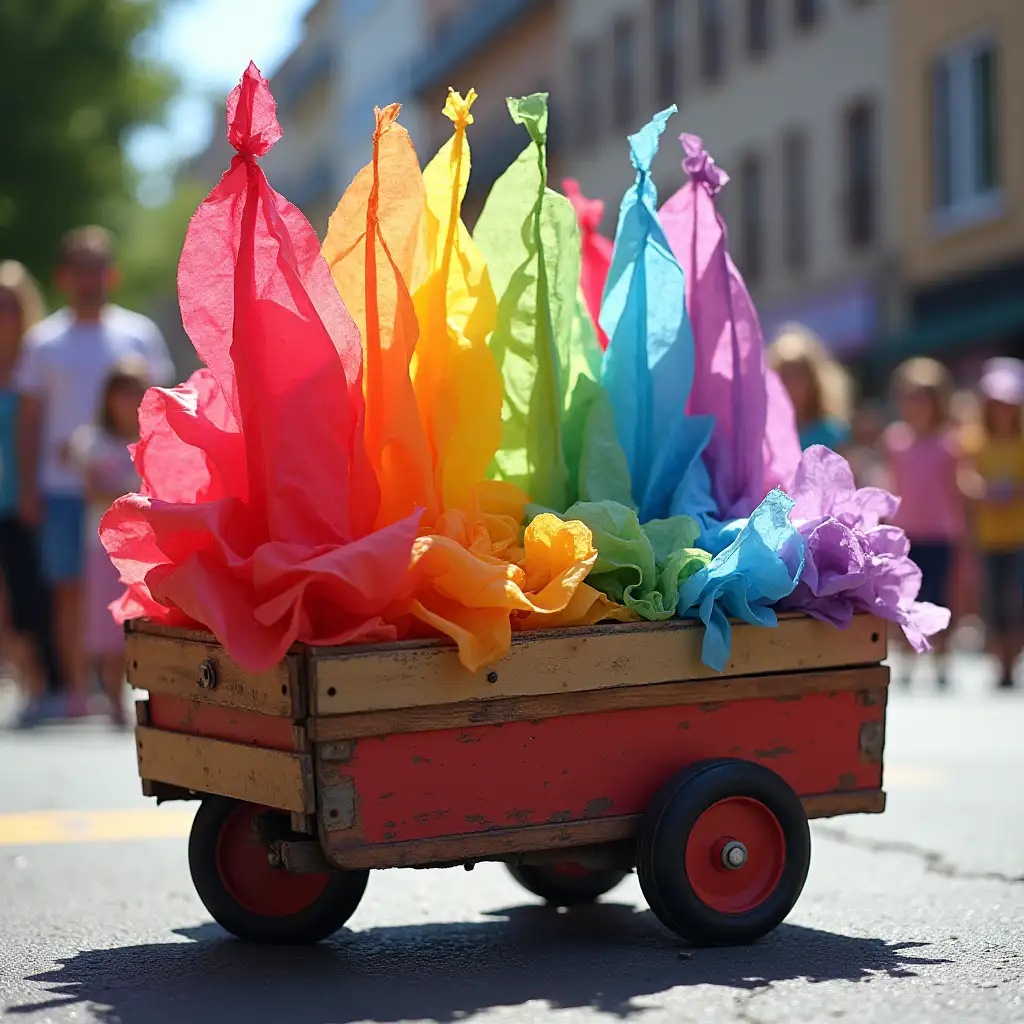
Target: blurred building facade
{"type": "Point", "coordinates": [379, 41]}
{"type": "Point", "coordinates": [959, 77]}
{"type": "Point", "coordinates": [307, 88]}
{"type": "Point", "coordinates": [791, 98]}
{"type": "Point", "coordinates": [500, 48]}
{"type": "Point", "coordinates": [201, 171]}
{"type": "Point", "coordinates": [877, 168]}
{"type": "Point", "coordinates": [353, 55]}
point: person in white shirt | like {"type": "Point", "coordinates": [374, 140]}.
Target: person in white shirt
{"type": "Point", "coordinates": [65, 360]}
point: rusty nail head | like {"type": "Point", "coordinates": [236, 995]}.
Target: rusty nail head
{"type": "Point", "coordinates": [337, 750]}
{"type": "Point", "coordinates": [208, 675]}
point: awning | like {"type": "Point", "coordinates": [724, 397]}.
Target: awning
{"type": "Point", "coordinates": [980, 322]}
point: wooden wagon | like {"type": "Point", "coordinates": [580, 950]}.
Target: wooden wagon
{"type": "Point", "coordinates": [582, 755]}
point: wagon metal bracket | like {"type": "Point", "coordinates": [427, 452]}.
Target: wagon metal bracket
{"type": "Point", "coordinates": [336, 750]}
{"type": "Point", "coordinates": [872, 740]}
{"type": "Point", "coordinates": [338, 805]}
{"type": "Point", "coordinates": [301, 858]}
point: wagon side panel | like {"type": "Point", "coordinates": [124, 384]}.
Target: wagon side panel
{"type": "Point", "coordinates": [588, 769]}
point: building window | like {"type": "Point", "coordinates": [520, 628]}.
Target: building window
{"type": "Point", "coordinates": [964, 128]}
{"type": "Point", "coordinates": [861, 164]}
{"type": "Point", "coordinates": [588, 124]}
{"type": "Point", "coordinates": [795, 200]}
{"type": "Point", "coordinates": [806, 13]}
{"type": "Point", "coordinates": [712, 38]}
{"type": "Point", "coordinates": [751, 248]}
{"type": "Point", "coordinates": [758, 27]}
{"type": "Point", "coordinates": [666, 49]}
{"type": "Point", "coordinates": [624, 72]}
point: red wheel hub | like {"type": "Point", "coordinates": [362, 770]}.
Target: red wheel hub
{"type": "Point", "coordinates": [247, 875]}
{"type": "Point", "coordinates": [735, 889]}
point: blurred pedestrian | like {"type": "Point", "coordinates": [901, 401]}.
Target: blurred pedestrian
{"type": "Point", "coordinates": [864, 450]}
{"type": "Point", "coordinates": [66, 360]}
{"type": "Point", "coordinates": [25, 616]}
{"type": "Point", "coordinates": [965, 580]}
{"type": "Point", "coordinates": [100, 451]}
{"type": "Point", "coordinates": [923, 455]}
{"type": "Point", "coordinates": [818, 386]}
{"type": "Point", "coordinates": [994, 482]}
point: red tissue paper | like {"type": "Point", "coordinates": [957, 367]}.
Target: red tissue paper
{"type": "Point", "coordinates": [595, 251]}
{"type": "Point", "coordinates": [256, 511]}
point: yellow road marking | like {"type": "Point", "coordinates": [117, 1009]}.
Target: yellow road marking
{"type": "Point", "coordinates": [45, 827]}
{"type": "Point", "coordinates": [48, 827]}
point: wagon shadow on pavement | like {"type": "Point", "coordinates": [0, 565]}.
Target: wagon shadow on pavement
{"type": "Point", "coordinates": [605, 957]}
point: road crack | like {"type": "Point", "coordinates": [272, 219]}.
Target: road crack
{"type": "Point", "coordinates": [935, 863]}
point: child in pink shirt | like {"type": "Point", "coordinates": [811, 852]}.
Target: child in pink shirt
{"type": "Point", "coordinates": [923, 457]}
{"type": "Point", "coordinates": [101, 451]}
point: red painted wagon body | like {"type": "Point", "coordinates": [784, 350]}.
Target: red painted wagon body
{"type": "Point", "coordinates": [583, 754]}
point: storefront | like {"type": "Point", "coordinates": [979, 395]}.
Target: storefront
{"type": "Point", "coordinates": [966, 320]}
{"type": "Point", "coordinates": [845, 318]}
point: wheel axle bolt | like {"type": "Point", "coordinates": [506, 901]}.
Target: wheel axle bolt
{"type": "Point", "coordinates": [734, 855]}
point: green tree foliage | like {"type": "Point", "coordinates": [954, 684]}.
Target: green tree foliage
{"type": "Point", "coordinates": [149, 245]}
{"type": "Point", "coordinates": [72, 85]}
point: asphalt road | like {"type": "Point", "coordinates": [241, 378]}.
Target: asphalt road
{"type": "Point", "coordinates": [913, 916]}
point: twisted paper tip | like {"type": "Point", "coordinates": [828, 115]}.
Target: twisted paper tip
{"type": "Point", "coordinates": [700, 166]}
{"type": "Point", "coordinates": [253, 127]}
{"type": "Point", "coordinates": [644, 144]}
{"type": "Point", "coordinates": [456, 109]}
{"type": "Point", "coordinates": [386, 117]}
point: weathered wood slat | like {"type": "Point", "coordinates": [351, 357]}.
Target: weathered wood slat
{"type": "Point", "coordinates": [380, 677]}
{"type": "Point", "coordinates": [143, 627]}
{"type": "Point", "coordinates": [270, 778]}
{"type": "Point", "coordinates": [872, 679]}
{"type": "Point", "coordinates": [408, 786]}
{"type": "Point", "coordinates": [830, 805]}
{"type": "Point", "coordinates": [501, 842]}
{"type": "Point", "coordinates": [193, 717]}
{"type": "Point", "coordinates": [171, 666]}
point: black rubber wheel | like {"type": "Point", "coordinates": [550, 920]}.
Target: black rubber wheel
{"type": "Point", "coordinates": [565, 885]}
{"type": "Point", "coordinates": [723, 852]}
{"type": "Point", "coordinates": [227, 856]}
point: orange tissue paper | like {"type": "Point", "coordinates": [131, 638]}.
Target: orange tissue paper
{"type": "Point", "coordinates": [433, 405]}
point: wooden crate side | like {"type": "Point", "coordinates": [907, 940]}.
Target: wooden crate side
{"type": "Point", "coordinates": [872, 679]}
{"type": "Point", "coordinates": [172, 666]}
{"type": "Point", "coordinates": [147, 628]}
{"type": "Point", "coordinates": [144, 627]}
{"type": "Point", "coordinates": [270, 778]}
{"type": "Point", "coordinates": [187, 715]}
{"type": "Point", "coordinates": [833, 805]}
{"type": "Point", "coordinates": [419, 786]}
{"type": "Point", "coordinates": [416, 675]}
{"type": "Point", "coordinates": [501, 843]}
